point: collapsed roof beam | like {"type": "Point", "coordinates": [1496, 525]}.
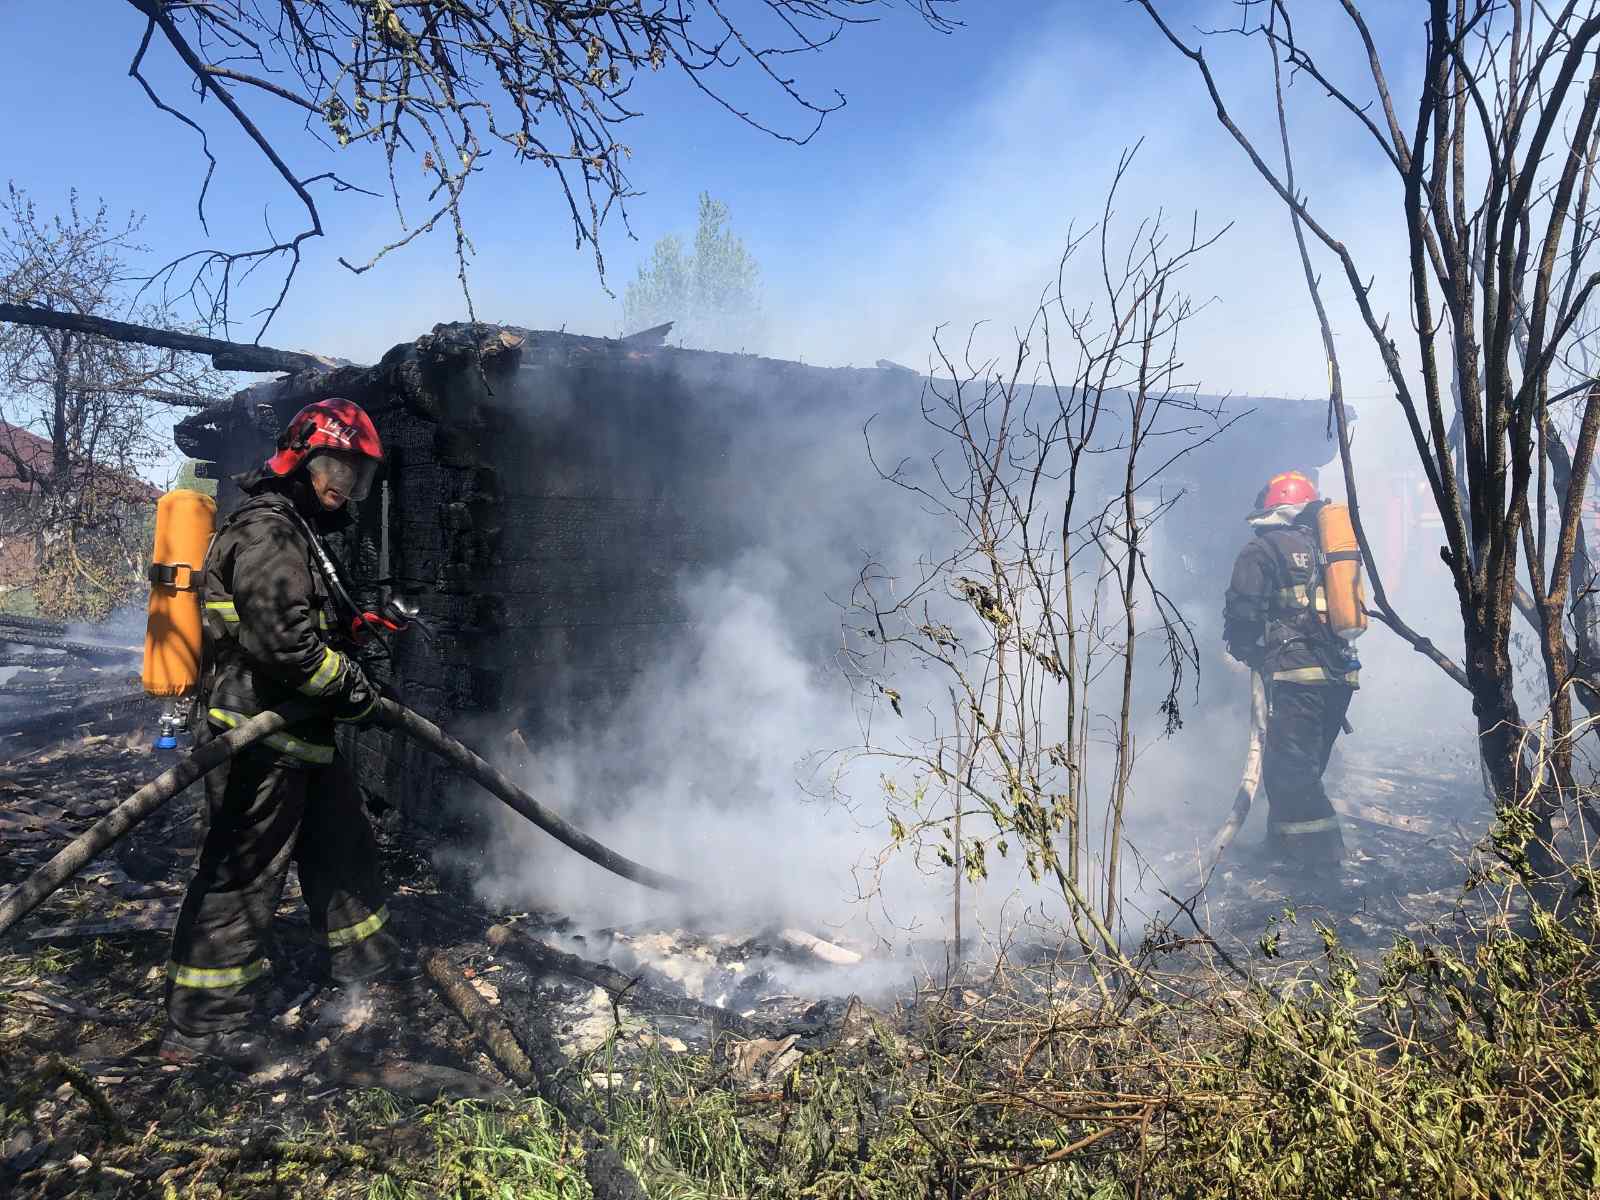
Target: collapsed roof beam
{"type": "Point", "coordinates": [225, 356]}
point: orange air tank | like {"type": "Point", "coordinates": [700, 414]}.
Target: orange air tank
{"type": "Point", "coordinates": [185, 521]}
{"type": "Point", "coordinates": [1341, 584]}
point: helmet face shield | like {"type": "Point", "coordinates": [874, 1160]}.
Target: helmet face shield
{"type": "Point", "coordinates": [347, 476]}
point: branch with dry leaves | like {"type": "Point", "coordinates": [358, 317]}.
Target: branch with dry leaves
{"type": "Point", "coordinates": [434, 87]}
{"type": "Point", "coordinates": [82, 393]}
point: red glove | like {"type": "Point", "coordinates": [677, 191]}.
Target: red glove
{"type": "Point", "coordinates": [368, 623]}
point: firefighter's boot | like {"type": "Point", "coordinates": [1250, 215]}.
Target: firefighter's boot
{"type": "Point", "coordinates": [244, 1050]}
{"type": "Point", "coordinates": [376, 959]}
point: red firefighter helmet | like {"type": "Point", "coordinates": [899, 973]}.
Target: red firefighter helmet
{"type": "Point", "coordinates": [333, 424]}
{"type": "Point", "coordinates": [1290, 487]}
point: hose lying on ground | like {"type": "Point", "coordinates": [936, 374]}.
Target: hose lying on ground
{"type": "Point", "coordinates": [84, 849]}
{"type": "Point", "coordinates": [1249, 783]}
{"type": "Point", "coordinates": [89, 845]}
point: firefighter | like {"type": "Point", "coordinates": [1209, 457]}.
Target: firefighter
{"type": "Point", "coordinates": [1274, 622]}
{"type": "Point", "coordinates": [275, 630]}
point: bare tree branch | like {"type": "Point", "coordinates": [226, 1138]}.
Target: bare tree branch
{"type": "Point", "coordinates": [444, 82]}
{"type": "Point", "coordinates": [225, 356]}
{"type": "Point", "coordinates": [79, 422]}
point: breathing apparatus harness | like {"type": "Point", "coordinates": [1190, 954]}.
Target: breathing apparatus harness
{"type": "Point", "coordinates": [393, 615]}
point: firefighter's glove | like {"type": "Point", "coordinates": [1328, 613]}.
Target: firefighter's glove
{"type": "Point", "coordinates": [369, 624]}
{"type": "Point", "coordinates": [356, 702]}
{"type": "Point", "coordinates": [1247, 657]}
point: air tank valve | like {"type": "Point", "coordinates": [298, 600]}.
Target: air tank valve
{"type": "Point", "coordinates": [171, 725]}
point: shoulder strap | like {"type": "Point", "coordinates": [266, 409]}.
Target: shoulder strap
{"type": "Point", "coordinates": [208, 658]}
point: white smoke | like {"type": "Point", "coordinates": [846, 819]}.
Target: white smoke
{"type": "Point", "coordinates": [731, 735]}
{"type": "Point", "coordinates": [728, 762]}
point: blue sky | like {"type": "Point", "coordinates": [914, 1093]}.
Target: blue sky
{"type": "Point", "coordinates": [942, 193]}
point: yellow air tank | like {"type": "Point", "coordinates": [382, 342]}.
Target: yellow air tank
{"type": "Point", "coordinates": [1346, 598]}
{"type": "Point", "coordinates": [185, 521]}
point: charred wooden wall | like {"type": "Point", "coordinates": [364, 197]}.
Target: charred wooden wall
{"type": "Point", "coordinates": [544, 495]}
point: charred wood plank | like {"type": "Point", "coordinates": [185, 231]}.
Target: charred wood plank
{"type": "Point", "coordinates": [16, 734]}
{"type": "Point", "coordinates": [656, 335]}
{"type": "Point", "coordinates": [38, 625]}
{"type": "Point", "coordinates": [89, 650]}
{"type": "Point", "coordinates": [146, 921]}
{"type": "Point", "coordinates": [52, 635]}
{"type": "Point", "coordinates": [609, 1177]}
{"type": "Point", "coordinates": [624, 988]}
{"type": "Point", "coordinates": [72, 1008]}
{"type": "Point", "coordinates": [225, 355]}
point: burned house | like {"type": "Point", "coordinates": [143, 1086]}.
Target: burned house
{"type": "Point", "coordinates": [546, 493]}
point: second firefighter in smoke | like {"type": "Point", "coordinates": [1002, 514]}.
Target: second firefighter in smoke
{"type": "Point", "coordinates": [1276, 620]}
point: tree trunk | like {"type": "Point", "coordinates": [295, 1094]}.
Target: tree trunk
{"type": "Point", "coordinates": [1494, 704]}
{"type": "Point", "coordinates": [61, 352]}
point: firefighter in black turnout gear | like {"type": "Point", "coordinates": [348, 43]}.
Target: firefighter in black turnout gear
{"type": "Point", "coordinates": [1274, 621]}
{"type": "Point", "coordinates": [275, 630]}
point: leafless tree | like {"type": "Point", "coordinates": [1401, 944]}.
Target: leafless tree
{"type": "Point", "coordinates": [79, 501]}
{"type": "Point", "coordinates": [436, 85]}
{"type": "Point", "coordinates": [1035, 624]}
{"type": "Point", "coordinates": [1493, 158]}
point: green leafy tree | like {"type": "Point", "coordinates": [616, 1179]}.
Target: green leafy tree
{"type": "Point", "coordinates": [711, 293]}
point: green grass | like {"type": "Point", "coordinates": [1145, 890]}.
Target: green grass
{"type": "Point", "coordinates": [1443, 1069]}
{"type": "Point", "coordinates": [846, 1123]}
{"type": "Point", "coordinates": [17, 970]}
{"type": "Point", "coordinates": [19, 602]}
{"type": "Point", "coordinates": [522, 1152]}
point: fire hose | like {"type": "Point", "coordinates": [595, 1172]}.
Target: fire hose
{"type": "Point", "coordinates": [120, 821]}
{"type": "Point", "coordinates": [1249, 781]}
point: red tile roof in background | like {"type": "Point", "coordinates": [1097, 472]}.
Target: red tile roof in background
{"type": "Point", "coordinates": [34, 452]}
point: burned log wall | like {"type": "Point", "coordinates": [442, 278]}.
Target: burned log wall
{"type": "Point", "coordinates": [545, 496]}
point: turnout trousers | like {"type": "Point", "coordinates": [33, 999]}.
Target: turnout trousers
{"type": "Point", "coordinates": [1303, 722]}
{"type": "Point", "coordinates": [265, 810]}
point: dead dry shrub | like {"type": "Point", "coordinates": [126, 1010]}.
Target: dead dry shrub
{"type": "Point", "coordinates": [1461, 1064]}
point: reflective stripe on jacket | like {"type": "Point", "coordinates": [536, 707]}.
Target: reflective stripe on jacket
{"type": "Point", "coordinates": [314, 753]}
